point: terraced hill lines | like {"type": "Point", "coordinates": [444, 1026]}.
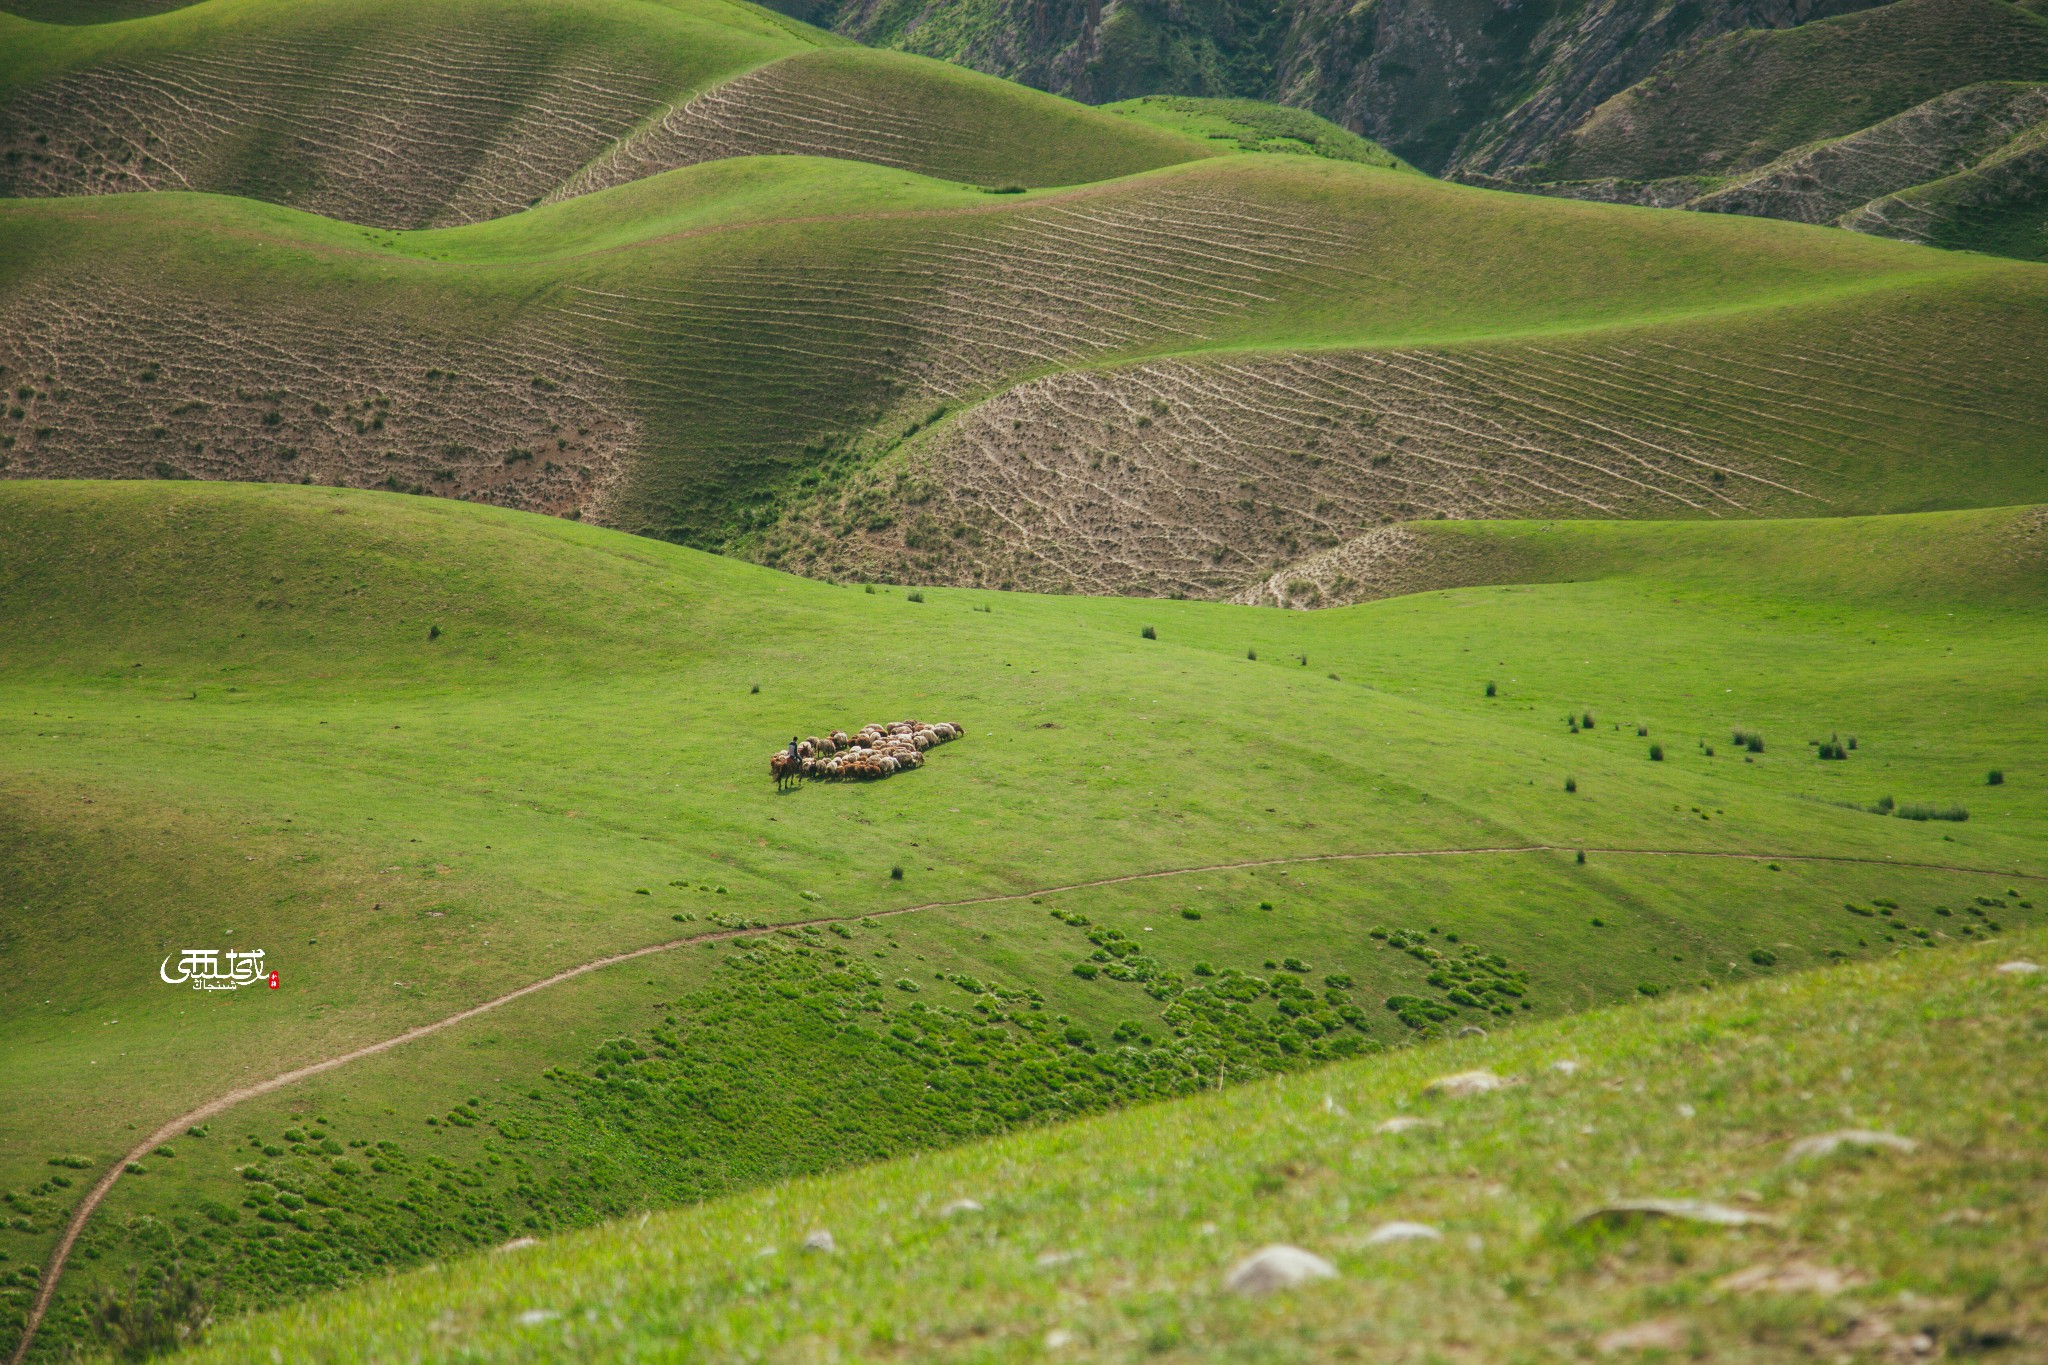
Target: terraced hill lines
{"type": "Point", "coordinates": [377, 113]}
{"type": "Point", "coordinates": [1745, 99]}
{"type": "Point", "coordinates": [1191, 476]}
{"type": "Point", "coordinates": [892, 110]}
{"type": "Point", "coordinates": [1174, 381]}
{"type": "Point", "coordinates": [1831, 181]}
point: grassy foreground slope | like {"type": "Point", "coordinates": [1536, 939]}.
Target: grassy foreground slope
{"type": "Point", "coordinates": [855, 370]}
{"type": "Point", "coordinates": [408, 115]}
{"type": "Point", "coordinates": [1109, 1239]}
{"type": "Point", "coordinates": [226, 720]}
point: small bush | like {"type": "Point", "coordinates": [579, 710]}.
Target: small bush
{"type": "Point", "coordinates": [1642, 731]}
{"type": "Point", "coordinates": [1204, 969]}
{"type": "Point", "coordinates": [1582, 857]}
{"type": "Point", "coordinates": [1656, 753]}
{"type": "Point", "coordinates": [1293, 964]}
{"type": "Point", "coordinates": [1190, 913]}
{"type": "Point", "coordinates": [914, 596]}
{"type": "Point", "coordinates": [1265, 905]}
{"type": "Point", "coordinates": [1149, 633]}
{"type": "Point", "coordinates": [755, 689]}
{"type": "Point", "coordinates": [1087, 971]}
{"type": "Point", "coordinates": [433, 632]}
{"type": "Point", "coordinates": [1995, 778]}
{"type": "Point", "coordinates": [1490, 691]}
{"type": "Point", "coordinates": [1832, 749]}
{"type": "Point", "coordinates": [1763, 957]}
{"type": "Point", "coordinates": [171, 1315]}
{"type": "Point", "coordinates": [1251, 654]}
{"type": "Point", "coordinates": [896, 874]}
{"type": "Point", "coordinates": [1586, 721]}
{"type": "Point", "coordinates": [869, 590]}
{"type": "Point", "coordinates": [1571, 784]}
{"type": "Point", "coordinates": [1956, 813]}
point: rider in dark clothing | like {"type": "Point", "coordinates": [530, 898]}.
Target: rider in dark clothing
{"type": "Point", "coordinates": [793, 760]}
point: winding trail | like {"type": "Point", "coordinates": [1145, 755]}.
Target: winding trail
{"type": "Point", "coordinates": [54, 1270]}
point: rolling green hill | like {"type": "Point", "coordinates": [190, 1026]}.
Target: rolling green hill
{"type": "Point", "coordinates": [858, 371]}
{"type": "Point", "coordinates": [404, 116]}
{"type": "Point", "coordinates": [425, 753]}
{"type": "Point", "coordinates": [1112, 1239]}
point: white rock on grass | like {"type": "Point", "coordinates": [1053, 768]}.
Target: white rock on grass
{"type": "Point", "coordinates": [960, 1206]}
{"type": "Point", "coordinates": [1855, 1139]}
{"type": "Point", "coordinates": [1794, 1277]}
{"type": "Point", "coordinates": [1277, 1267]}
{"type": "Point", "coordinates": [534, 1317]}
{"type": "Point", "coordinates": [1401, 1123]}
{"type": "Point", "coordinates": [1685, 1210]}
{"type": "Point", "coordinates": [1659, 1334]}
{"type": "Point", "coordinates": [1565, 1067]}
{"type": "Point", "coordinates": [820, 1241]}
{"type": "Point", "coordinates": [520, 1244]}
{"type": "Point", "coordinates": [2017, 968]}
{"type": "Point", "coordinates": [1401, 1232]}
{"type": "Point", "coordinates": [1460, 1084]}
{"type": "Point", "coordinates": [1058, 1339]}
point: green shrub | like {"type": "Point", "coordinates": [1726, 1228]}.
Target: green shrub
{"type": "Point", "coordinates": [1149, 633]}
{"type": "Point", "coordinates": [1293, 964]}
{"type": "Point", "coordinates": [896, 874]}
{"type": "Point", "coordinates": [172, 1314]}
{"type": "Point", "coordinates": [1656, 753]}
{"type": "Point", "coordinates": [1995, 778]}
{"type": "Point", "coordinates": [1763, 957]}
{"type": "Point", "coordinates": [1190, 913]}
{"type": "Point", "coordinates": [1571, 784]}
{"type": "Point", "coordinates": [1087, 971]}
{"type": "Point", "coordinates": [1490, 689]}
{"type": "Point", "coordinates": [1251, 654]}
{"type": "Point", "coordinates": [1956, 813]}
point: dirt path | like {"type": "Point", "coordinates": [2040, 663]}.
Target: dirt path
{"type": "Point", "coordinates": [54, 1270]}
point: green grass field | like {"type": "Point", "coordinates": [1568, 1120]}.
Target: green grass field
{"type": "Point", "coordinates": [487, 806]}
{"type": "Point", "coordinates": [1110, 1239]}
{"type": "Point", "coordinates": [1685, 581]}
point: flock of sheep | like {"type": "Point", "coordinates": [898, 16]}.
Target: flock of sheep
{"type": "Point", "coordinates": [872, 751]}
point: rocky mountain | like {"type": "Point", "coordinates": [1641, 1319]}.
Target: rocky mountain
{"type": "Point", "coordinates": [1840, 111]}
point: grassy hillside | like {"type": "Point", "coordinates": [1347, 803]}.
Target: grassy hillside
{"type": "Point", "coordinates": [822, 363]}
{"type": "Point", "coordinates": [1110, 1239]}
{"type": "Point", "coordinates": [412, 116]}
{"type": "Point", "coordinates": [229, 720]}
{"type": "Point", "coordinates": [1745, 99]}
{"type": "Point", "coordinates": [1252, 126]}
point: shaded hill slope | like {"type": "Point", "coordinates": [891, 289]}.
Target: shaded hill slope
{"type": "Point", "coordinates": [860, 371]}
{"type": "Point", "coordinates": [228, 704]}
{"type": "Point", "coordinates": [411, 116]}
{"type": "Point", "coordinates": [1080, 1236]}
{"type": "Point", "coordinates": [1672, 105]}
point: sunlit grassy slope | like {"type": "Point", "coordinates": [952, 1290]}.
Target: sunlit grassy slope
{"type": "Point", "coordinates": [412, 115]}
{"type": "Point", "coordinates": [225, 720]}
{"type": "Point", "coordinates": [1109, 1239]}
{"type": "Point", "coordinates": [732, 355]}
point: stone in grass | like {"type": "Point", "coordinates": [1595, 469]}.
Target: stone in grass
{"type": "Point", "coordinates": [1855, 1139]}
{"type": "Point", "coordinates": [534, 1317]}
{"type": "Point", "coordinates": [1794, 1277]}
{"type": "Point", "coordinates": [520, 1244]}
{"type": "Point", "coordinates": [1565, 1067]}
{"type": "Point", "coordinates": [820, 1241]}
{"type": "Point", "coordinates": [2018, 967]}
{"type": "Point", "coordinates": [1401, 1232]}
{"type": "Point", "coordinates": [960, 1206]}
{"type": "Point", "coordinates": [1624, 1211]}
{"type": "Point", "coordinates": [1658, 1334]}
{"type": "Point", "coordinates": [1460, 1084]}
{"type": "Point", "coordinates": [1471, 1031]}
{"type": "Point", "coordinates": [1277, 1267]}
{"type": "Point", "coordinates": [1401, 1123]}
